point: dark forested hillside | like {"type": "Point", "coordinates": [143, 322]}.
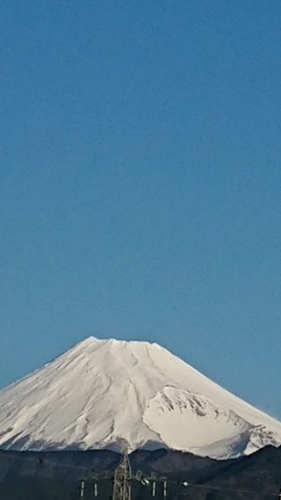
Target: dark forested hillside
{"type": "Point", "coordinates": [58, 475]}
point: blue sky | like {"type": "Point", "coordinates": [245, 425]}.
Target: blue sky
{"type": "Point", "coordinates": [140, 183]}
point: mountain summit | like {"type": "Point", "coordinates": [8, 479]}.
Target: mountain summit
{"type": "Point", "coordinates": [115, 394]}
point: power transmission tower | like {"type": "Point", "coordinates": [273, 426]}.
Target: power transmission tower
{"type": "Point", "coordinates": [122, 479]}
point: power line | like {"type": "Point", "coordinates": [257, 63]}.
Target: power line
{"type": "Point", "coordinates": [122, 479]}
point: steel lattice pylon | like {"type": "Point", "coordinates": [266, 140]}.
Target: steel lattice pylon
{"type": "Point", "coordinates": [122, 479]}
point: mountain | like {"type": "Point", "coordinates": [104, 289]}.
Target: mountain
{"type": "Point", "coordinates": [108, 394]}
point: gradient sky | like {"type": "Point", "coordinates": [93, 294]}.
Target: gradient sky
{"type": "Point", "coordinates": [140, 183]}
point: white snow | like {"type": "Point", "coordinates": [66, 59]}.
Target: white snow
{"type": "Point", "coordinates": [115, 394]}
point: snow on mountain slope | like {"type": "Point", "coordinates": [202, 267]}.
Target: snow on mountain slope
{"type": "Point", "coordinates": [108, 393]}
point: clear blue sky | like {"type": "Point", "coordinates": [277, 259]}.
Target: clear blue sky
{"type": "Point", "coordinates": [140, 183]}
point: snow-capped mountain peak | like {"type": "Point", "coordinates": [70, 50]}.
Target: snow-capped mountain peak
{"type": "Point", "coordinates": [116, 394]}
